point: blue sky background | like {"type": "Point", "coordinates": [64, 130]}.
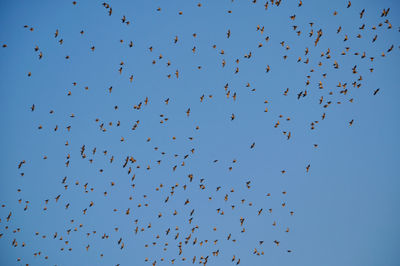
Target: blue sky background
{"type": "Point", "coordinates": [346, 206]}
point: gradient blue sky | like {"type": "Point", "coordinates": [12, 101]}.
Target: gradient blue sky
{"type": "Point", "coordinates": [346, 206]}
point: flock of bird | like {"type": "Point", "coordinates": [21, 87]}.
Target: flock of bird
{"type": "Point", "coordinates": [192, 238]}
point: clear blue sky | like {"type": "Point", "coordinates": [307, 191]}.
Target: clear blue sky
{"type": "Point", "coordinates": [345, 208]}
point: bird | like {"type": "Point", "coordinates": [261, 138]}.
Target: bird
{"type": "Point", "coordinates": [130, 179]}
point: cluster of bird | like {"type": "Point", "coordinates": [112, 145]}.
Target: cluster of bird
{"type": "Point", "coordinates": [188, 233]}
